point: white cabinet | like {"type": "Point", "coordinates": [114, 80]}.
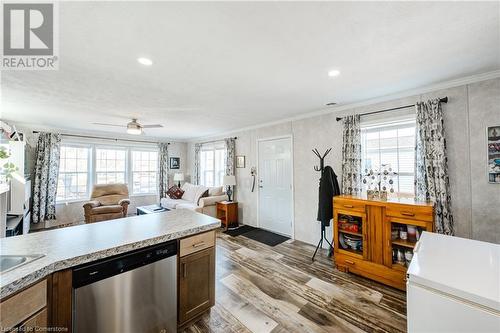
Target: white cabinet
{"type": "Point", "coordinates": [20, 187]}
{"type": "Point", "coordinates": [4, 191]}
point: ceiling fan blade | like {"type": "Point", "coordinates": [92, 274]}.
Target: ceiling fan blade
{"type": "Point", "coordinates": [152, 126]}
{"type": "Point", "coordinates": [104, 124]}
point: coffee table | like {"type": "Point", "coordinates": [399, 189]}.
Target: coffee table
{"type": "Point", "coordinates": [151, 209]}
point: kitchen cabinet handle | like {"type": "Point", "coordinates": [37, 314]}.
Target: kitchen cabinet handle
{"type": "Point", "coordinates": [350, 262]}
{"type": "Point", "coordinates": [348, 206]}
{"type": "Point", "coordinates": [184, 273]}
{"type": "Point", "coordinates": [199, 244]}
{"type": "Point", "coordinates": [407, 213]}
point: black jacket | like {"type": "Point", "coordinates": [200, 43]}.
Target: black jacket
{"type": "Point", "coordinates": [328, 187]}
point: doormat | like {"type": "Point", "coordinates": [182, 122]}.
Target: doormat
{"type": "Point", "coordinates": [265, 237]}
{"type": "Point", "coordinates": [239, 231]}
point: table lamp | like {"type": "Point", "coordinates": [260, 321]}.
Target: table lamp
{"type": "Point", "coordinates": [178, 177]}
{"type": "Point", "coordinates": [229, 181]}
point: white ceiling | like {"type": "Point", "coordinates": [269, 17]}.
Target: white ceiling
{"type": "Point", "coordinates": [223, 66]}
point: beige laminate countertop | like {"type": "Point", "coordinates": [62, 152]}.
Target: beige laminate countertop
{"type": "Point", "coordinates": [68, 247]}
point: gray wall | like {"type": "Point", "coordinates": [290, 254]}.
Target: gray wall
{"type": "Point", "coordinates": [475, 202]}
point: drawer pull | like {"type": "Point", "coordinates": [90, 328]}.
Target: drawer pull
{"type": "Point", "coordinates": [199, 244]}
{"type": "Point", "coordinates": [349, 206]}
{"type": "Point", "coordinates": [407, 213]}
{"type": "Point", "coordinates": [350, 262]}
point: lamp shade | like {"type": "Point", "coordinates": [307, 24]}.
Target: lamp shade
{"type": "Point", "coordinates": [229, 180]}
{"type": "Point", "coordinates": [178, 177]}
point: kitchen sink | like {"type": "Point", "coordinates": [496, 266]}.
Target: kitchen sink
{"type": "Point", "coordinates": [9, 262]}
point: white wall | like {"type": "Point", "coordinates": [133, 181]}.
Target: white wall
{"type": "Point", "coordinates": [475, 202]}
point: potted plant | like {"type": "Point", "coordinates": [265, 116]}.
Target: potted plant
{"type": "Point", "coordinates": [6, 169]}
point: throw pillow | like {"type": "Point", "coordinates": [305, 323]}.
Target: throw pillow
{"type": "Point", "coordinates": [189, 192]}
{"type": "Point", "coordinates": [171, 192]}
{"type": "Point", "coordinates": [204, 195]}
{"type": "Point", "coordinates": [178, 193]}
{"type": "Point", "coordinates": [216, 190]}
{"type": "Point", "coordinates": [200, 190]}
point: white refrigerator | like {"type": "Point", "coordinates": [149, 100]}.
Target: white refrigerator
{"type": "Point", "coordinates": [453, 285]}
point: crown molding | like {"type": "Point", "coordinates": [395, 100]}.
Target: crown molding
{"type": "Point", "coordinates": [28, 128]}
{"type": "Point", "coordinates": [339, 108]}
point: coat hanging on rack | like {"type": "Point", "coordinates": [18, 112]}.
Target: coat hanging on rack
{"type": "Point", "coordinates": [328, 188]}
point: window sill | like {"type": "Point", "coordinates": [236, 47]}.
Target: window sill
{"type": "Point", "coordinates": [143, 195]}
{"type": "Point", "coordinates": [67, 202]}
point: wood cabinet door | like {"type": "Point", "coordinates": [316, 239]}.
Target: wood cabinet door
{"type": "Point", "coordinates": [196, 283]}
{"type": "Point", "coordinates": [362, 234]}
{"type": "Point", "coordinates": [37, 323]}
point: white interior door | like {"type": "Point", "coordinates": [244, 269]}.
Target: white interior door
{"type": "Point", "coordinates": [275, 185]}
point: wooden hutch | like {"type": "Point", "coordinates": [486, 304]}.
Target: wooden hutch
{"type": "Point", "coordinates": [367, 235]}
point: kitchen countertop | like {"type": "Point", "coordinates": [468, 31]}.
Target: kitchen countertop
{"type": "Point", "coordinates": [72, 246]}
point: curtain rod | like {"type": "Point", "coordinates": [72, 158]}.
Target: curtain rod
{"type": "Point", "coordinates": [442, 100]}
{"type": "Point", "coordinates": [202, 143]}
{"type": "Point", "coordinates": [103, 138]}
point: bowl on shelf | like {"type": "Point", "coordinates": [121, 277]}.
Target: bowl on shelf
{"type": "Point", "coordinates": [342, 241]}
{"type": "Point", "coordinates": [353, 242]}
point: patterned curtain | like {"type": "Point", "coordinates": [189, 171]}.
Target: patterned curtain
{"type": "Point", "coordinates": [431, 164]}
{"type": "Point", "coordinates": [230, 144]}
{"type": "Point", "coordinates": [197, 148]}
{"type": "Point", "coordinates": [162, 169]}
{"type": "Point", "coordinates": [351, 155]}
{"type": "Point", "coordinates": [46, 172]}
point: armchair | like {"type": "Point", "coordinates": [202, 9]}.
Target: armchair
{"type": "Point", "coordinates": [107, 202]}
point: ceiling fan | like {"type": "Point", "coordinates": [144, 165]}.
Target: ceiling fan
{"type": "Point", "coordinates": [133, 127]}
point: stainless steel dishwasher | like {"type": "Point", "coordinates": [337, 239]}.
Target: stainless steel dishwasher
{"type": "Point", "coordinates": [134, 292]}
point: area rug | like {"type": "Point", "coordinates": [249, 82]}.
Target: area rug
{"type": "Point", "coordinates": [265, 237]}
{"type": "Point", "coordinates": [239, 231]}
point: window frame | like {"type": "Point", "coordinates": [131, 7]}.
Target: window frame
{"type": "Point", "coordinates": [127, 157]}
{"type": "Point", "coordinates": [213, 148]}
{"type": "Point", "coordinates": [131, 168]}
{"type": "Point", "coordinates": [92, 163]}
{"type": "Point", "coordinates": [89, 173]}
{"type": "Point", "coordinates": [375, 126]}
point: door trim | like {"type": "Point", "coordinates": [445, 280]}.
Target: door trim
{"type": "Point", "coordinates": [292, 175]}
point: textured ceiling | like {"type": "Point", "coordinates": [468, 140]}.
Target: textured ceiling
{"type": "Point", "coordinates": [223, 66]}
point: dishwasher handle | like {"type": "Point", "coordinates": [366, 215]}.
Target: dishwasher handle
{"type": "Point", "coordinates": [105, 268]}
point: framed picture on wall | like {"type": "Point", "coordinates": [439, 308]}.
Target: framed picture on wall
{"type": "Point", "coordinates": [175, 162]}
{"type": "Point", "coordinates": [494, 154]}
{"type": "Point", "coordinates": [240, 161]}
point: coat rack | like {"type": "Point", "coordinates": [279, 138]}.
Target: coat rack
{"type": "Point", "coordinates": [323, 227]}
{"type": "Point", "coordinates": [321, 159]}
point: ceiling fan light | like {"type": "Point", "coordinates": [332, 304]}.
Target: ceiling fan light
{"type": "Point", "coordinates": [134, 130]}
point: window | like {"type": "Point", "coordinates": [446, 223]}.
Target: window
{"type": "Point", "coordinates": [212, 164]}
{"type": "Point", "coordinates": [82, 165]}
{"type": "Point", "coordinates": [391, 143]}
{"type": "Point", "coordinates": [110, 165]}
{"type": "Point", "coordinates": [73, 181]}
{"type": "Point", "coordinates": [144, 171]}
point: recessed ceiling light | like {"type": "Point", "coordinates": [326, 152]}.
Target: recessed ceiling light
{"type": "Point", "coordinates": [145, 61]}
{"type": "Point", "coordinates": [333, 73]}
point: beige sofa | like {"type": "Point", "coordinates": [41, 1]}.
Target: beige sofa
{"type": "Point", "coordinates": [193, 199]}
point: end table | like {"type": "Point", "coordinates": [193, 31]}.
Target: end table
{"type": "Point", "coordinates": [227, 212]}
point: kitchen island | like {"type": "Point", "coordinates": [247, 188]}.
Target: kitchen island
{"type": "Point", "coordinates": [63, 249]}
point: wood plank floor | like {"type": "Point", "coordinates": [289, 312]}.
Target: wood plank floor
{"type": "Point", "coordinates": [278, 289]}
